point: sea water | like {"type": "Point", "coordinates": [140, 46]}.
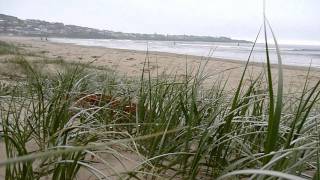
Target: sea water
{"type": "Point", "coordinates": [296, 55]}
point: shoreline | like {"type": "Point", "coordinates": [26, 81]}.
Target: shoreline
{"type": "Point", "coordinates": [130, 62]}
{"type": "Point", "coordinates": [242, 62]}
{"type": "Point", "coordinates": [285, 66]}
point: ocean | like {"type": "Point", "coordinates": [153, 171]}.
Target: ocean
{"type": "Point", "coordinates": [295, 55]}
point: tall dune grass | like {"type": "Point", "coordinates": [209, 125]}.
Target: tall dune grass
{"type": "Point", "coordinates": [179, 129]}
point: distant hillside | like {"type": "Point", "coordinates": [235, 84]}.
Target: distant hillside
{"type": "Point", "coordinates": [10, 25]}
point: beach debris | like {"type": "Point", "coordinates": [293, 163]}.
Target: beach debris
{"type": "Point", "coordinates": [113, 103]}
{"type": "Point", "coordinates": [131, 59]}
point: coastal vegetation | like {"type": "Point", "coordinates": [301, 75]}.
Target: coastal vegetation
{"type": "Point", "coordinates": [80, 121]}
{"type": "Point", "coordinates": [81, 118]}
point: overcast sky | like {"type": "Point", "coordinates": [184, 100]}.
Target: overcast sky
{"type": "Point", "coordinates": [293, 20]}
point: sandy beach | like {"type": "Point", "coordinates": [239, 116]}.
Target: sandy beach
{"type": "Point", "coordinates": [159, 90]}
{"type": "Point", "coordinates": [130, 62]}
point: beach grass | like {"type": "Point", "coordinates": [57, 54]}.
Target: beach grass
{"type": "Point", "coordinates": [6, 48]}
{"type": "Point", "coordinates": [80, 118]}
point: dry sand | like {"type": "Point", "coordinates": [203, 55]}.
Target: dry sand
{"type": "Point", "coordinates": [130, 62]}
